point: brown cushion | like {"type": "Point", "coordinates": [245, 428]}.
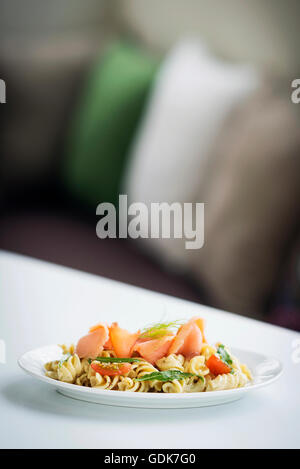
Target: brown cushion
{"type": "Point", "coordinates": [252, 204]}
{"type": "Point", "coordinates": [43, 83]}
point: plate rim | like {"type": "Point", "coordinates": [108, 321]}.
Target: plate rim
{"type": "Point", "coordinates": [145, 396]}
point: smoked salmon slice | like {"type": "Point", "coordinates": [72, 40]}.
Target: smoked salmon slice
{"type": "Point", "coordinates": [188, 340]}
{"type": "Point", "coordinates": [122, 341]}
{"type": "Point", "coordinates": [91, 345]}
{"type": "Point", "coordinates": [108, 345]}
{"type": "Point", "coordinates": [154, 349]}
{"type": "Point", "coordinates": [201, 324]}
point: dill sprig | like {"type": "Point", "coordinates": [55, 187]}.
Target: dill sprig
{"type": "Point", "coordinates": [160, 329]}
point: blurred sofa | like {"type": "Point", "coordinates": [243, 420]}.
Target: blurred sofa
{"type": "Point", "coordinates": [42, 218]}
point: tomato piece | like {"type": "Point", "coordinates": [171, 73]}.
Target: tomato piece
{"type": "Point", "coordinates": [217, 366]}
{"type": "Point", "coordinates": [104, 370]}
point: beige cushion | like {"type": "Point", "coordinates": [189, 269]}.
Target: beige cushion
{"type": "Point", "coordinates": [252, 204]}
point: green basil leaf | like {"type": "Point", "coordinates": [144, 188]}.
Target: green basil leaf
{"type": "Point", "coordinates": [224, 355]}
{"type": "Point", "coordinates": [115, 360]}
{"type": "Point", "coordinates": [168, 375]}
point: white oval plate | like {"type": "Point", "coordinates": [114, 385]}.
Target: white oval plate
{"type": "Point", "coordinates": [265, 371]}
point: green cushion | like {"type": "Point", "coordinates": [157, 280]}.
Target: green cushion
{"type": "Point", "coordinates": [105, 123]}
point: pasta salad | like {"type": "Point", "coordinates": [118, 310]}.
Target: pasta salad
{"type": "Point", "coordinates": [171, 357]}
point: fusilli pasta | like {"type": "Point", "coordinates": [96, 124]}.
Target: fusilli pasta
{"type": "Point", "coordinates": [156, 361]}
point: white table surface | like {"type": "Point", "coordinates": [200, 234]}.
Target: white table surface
{"type": "Point", "coordinates": [42, 303]}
